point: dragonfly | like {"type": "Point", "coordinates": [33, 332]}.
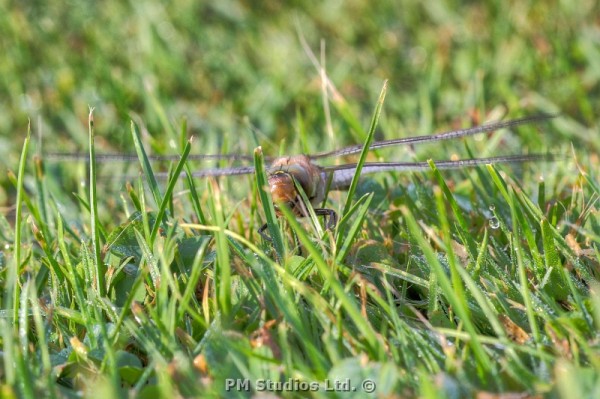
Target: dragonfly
{"type": "Point", "coordinates": [316, 180]}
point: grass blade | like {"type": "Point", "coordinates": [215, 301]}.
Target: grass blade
{"type": "Point", "coordinates": [523, 280]}
{"type": "Point", "coordinates": [171, 185]}
{"type": "Point", "coordinates": [94, 222]}
{"type": "Point", "coordinates": [266, 200]}
{"type": "Point", "coordinates": [347, 304]}
{"type": "Point", "coordinates": [363, 155]}
{"type": "Point", "coordinates": [223, 265]}
{"type": "Point", "coordinates": [364, 203]}
{"type": "Point", "coordinates": [13, 273]}
{"type": "Point", "coordinates": [445, 285]}
{"type": "Point", "coordinates": [464, 229]}
{"type": "Point", "coordinates": [145, 162]}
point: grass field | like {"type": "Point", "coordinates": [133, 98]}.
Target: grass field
{"type": "Point", "coordinates": [480, 282]}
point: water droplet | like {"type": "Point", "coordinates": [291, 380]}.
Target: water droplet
{"type": "Point", "coordinates": [492, 208]}
{"type": "Point", "coordinates": [494, 222]}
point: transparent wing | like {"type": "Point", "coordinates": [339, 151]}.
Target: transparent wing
{"type": "Point", "coordinates": [215, 172]}
{"type": "Point", "coordinates": [343, 174]}
{"type": "Point", "coordinates": [449, 135]}
{"type": "Point", "coordinates": [242, 170]}
{"type": "Point", "coordinates": [131, 157]}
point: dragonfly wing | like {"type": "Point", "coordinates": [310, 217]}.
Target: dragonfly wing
{"type": "Point", "coordinates": [242, 170]}
{"type": "Point", "coordinates": [216, 172]}
{"type": "Point", "coordinates": [452, 134]}
{"type": "Point", "coordinates": [129, 157]}
{"type": "Point", "coordinates": [343, 174]}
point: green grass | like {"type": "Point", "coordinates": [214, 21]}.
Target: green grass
{"type": "Point", "coordinates": [441, 283]}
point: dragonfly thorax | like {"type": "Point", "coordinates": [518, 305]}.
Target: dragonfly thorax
{"type": "Point", "coordinates": [282, 173]}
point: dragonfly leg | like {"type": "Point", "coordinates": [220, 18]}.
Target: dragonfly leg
{"type": "Point", "coordinates": [264, 235]}
{"type": "Point", "coordinates": [329, 215]}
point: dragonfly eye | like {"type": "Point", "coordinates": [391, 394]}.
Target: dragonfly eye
{"type": "Point", "coordinates": [282, 188]}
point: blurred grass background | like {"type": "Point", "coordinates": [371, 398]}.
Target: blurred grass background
{"type": "Point", "coordinates": [217, 64]}
{"type": "Point", "coordinates": [237, 70]}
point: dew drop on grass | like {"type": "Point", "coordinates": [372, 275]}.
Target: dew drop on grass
{"type": "Point", "coordinates": [494, 222]}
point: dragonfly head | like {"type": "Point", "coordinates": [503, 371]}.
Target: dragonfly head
{"type": "Point", "coordinates": [281, 185]}
{"type": "Point", "coordinates": [286, 172]}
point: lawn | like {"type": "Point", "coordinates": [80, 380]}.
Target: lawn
{"type": "Point", "coordinates": [130, 278]}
